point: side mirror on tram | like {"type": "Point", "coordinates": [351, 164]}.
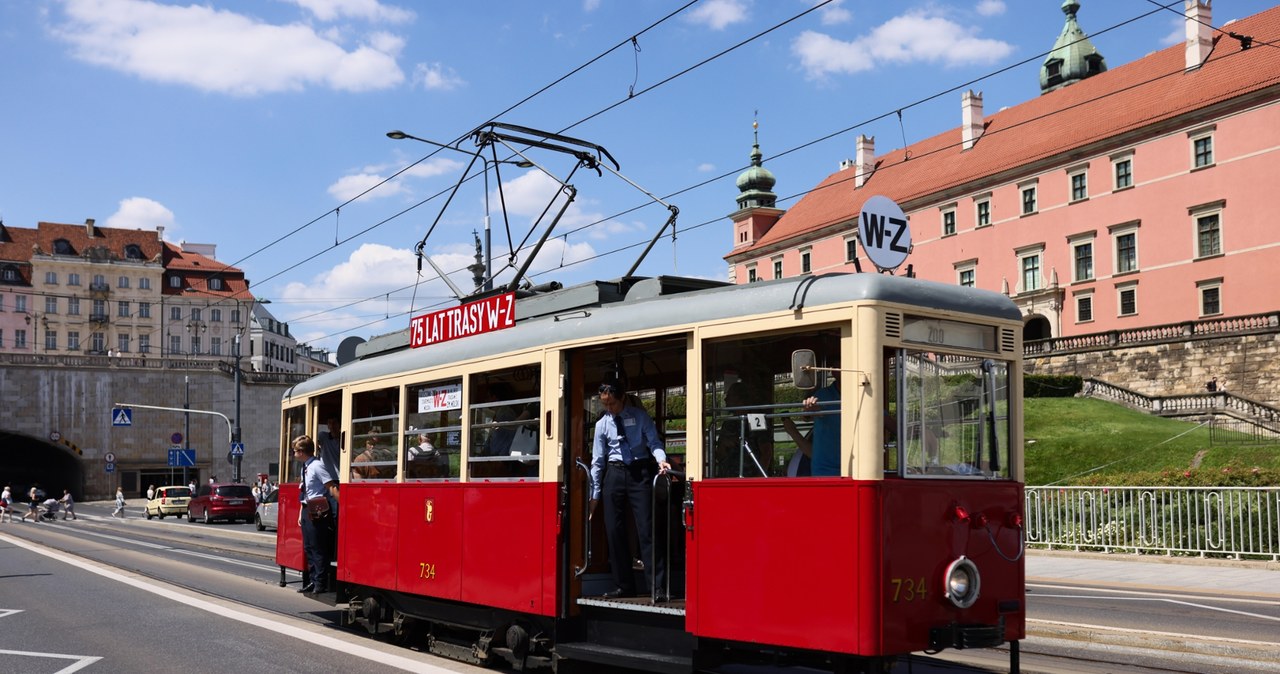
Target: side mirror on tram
{"type": "Point", "coordinates": [802, 372]}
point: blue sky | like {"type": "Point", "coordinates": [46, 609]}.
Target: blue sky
{"type": "Point", "coordinates": [259, 125]}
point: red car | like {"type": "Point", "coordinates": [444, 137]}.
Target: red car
{"type": "Point", "coordinates": [222, 501]}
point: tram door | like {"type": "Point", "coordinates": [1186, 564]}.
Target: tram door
{"type": "Point", "coordinates": [654, 374]}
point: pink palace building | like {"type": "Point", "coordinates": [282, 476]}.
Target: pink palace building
{"type": "Point", "coordinates": [1120, 198]}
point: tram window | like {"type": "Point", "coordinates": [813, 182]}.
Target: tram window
{"type": "Point", "coordinates": [951, 413]}
{"type": "Point", "coordinates": [375, 416]}
{"type": "Point", "coordinates": [754, 422]}
{"type": "Point", "coordinates": [295, 424]}
{"type": "Point", "coordinates": [433, 440]}
{"type": "Point", "coordinates": [674, 426]}
{"type": "Point", "coordinates": [505, 408]}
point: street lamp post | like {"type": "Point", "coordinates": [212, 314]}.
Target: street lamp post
{"type": "Point", "coordinates": [235, 431]}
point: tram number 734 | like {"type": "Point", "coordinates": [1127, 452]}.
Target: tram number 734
{"type": "Point", "coordinates": [908, 589]}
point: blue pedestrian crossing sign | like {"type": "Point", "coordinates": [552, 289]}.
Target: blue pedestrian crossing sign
{"type": "Point", "coordinates": [237, 449]}
{"type": "Point", "coordinates": [122, 416]}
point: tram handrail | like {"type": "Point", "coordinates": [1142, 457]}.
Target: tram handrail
{"type": "Point", "coordinates": [670, 476]}
{"type": "Point", "coordinates": [586, 529]}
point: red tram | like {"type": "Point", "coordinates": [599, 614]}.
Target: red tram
{"type": "Point", "coordinates": [484, 550]}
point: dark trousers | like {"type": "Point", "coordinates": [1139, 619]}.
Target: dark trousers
{"type": "Point", "coordinates": [317, 546]}
{"type": "Point", "coordinates": [631, 487]}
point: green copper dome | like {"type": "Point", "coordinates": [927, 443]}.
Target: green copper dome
{"type": "Point", "coordinates": [1073, 57]}
{"type": "Point", "coordinates": [755, 184]}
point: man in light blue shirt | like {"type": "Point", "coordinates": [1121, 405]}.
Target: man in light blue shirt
{"type": "Point", "coordinates": [626, 452]}
{"type": "Point", "coordinates": [318, 528]}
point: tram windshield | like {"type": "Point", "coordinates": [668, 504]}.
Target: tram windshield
{"type": "Point", "coordinates": [952, 413]}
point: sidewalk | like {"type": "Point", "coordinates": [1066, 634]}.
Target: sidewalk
{"type": "Point", "coordinates": [1256, 580]}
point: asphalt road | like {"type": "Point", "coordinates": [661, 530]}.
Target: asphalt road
{"type": "Point", "coordinates": [207, 598]}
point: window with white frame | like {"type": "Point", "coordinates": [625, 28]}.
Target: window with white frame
{"type": "Point", "coordinates": [982, 212]}
{"type": "Point", "coordinates": [1030, 260]}
{"type": "Point", "coordinates": [175, 281]}
{"type": "Point", "coordinates": [98, 342]}
{"type": "Point", "coordinates": [1210, 297]}
{"type": "Point", "coordinates": [850, 248]}
{"type": "Point", "coordinates": [1082, 258]}
{"type": "Point", "coordinates": [144, 310]}
{"type": "Point", "coordinates": [73, 340]}
{"type": "Point", "coordinates": [20, 303]}
{"type": "Point", "coordinates": [175, 313]}
{"type": "Point", "coordinates": [1207, 220]}
{"type": "Point", "coordinates": [73, 306]}
{"type": "Point", "coordinates": [1127, 298]}
{"type": "Point", "coordinates": [751, 273]}
{"type": "Point", "coordinates": [215, 346]}
{"type": "Point", "coordinates": [122, 343]}
{"type": "Point", "coordinates": [19, 339]}
{"type": "Point", "coordinates": [51, 278]}
{"type": "Point", "coordinates": [73, 279]}
{"type": "Point", "coordinates": [1079, 180]}
{"type": "Point", "coordinates": [1028, 192]}
{"type": "Point", "coordinates": [215, 315]}
{"type": "Point", "coordinates": [51, 305]}
{"type": "Point", "coordinates": [1122, 171]}
{"type": "Point", "coordinates": [123, 282]}
{"type": "Point", "coordinates": [777, 267]}
{"type": "Point", "coordinates": [1084, 307]}
{"type": "Point", "coordinates": [949, 220]}
{"type": "Point", "coordinates": [1125, 238]}
{"type": "Point", "coordinates": [50, 340]}
{"type": "Point", "coordinates": [966, 273]}
{"type": "Point", "coordinates": [122, 309]}
{"type": "Point", "coordinates": [1201, 147]}
{"type": "Point", "coordinates": [144, 343]}
{"type": "Point", "coordinates": [215, 284]}
{"type": "Point", "coordinates": [144, 283]}
{"type": "Point", "coordinates": [175, 344]}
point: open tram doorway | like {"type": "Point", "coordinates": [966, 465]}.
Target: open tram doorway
{"type": "Point", "coordinates": [654, 374]}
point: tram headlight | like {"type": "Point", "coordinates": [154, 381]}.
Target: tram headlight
{"type": "Point", "coordinates": [963, 582]}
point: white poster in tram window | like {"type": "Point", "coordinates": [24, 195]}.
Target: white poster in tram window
{"type": "Point", "coordinates": [440, 398]}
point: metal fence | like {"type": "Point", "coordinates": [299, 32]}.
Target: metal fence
{"type": "Point", "coordinates": [1227, 522]}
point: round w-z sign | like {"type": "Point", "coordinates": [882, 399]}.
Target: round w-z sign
{"type": "Point", "coordinates": [884, 232]}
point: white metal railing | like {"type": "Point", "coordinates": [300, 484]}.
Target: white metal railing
{"type": "Point", "coordinates": [1231, 522]}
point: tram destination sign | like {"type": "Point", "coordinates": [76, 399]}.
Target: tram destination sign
{"type": "Point", "coordinates": [465, 320]}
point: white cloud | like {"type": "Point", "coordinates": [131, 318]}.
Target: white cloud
{"type": "Point", "coordinates": [368, 10]}
{"type": "Point", "coordinates": [1177, 32]}
{"type": "Point", "coordinates": [991, 7]}
{"type": "Point", "coordinates": [911, 38]}
{"type": "Point", "coordinates": [590, 5]}
{"type": "Point", "coordinates": [835, 13]}
{"type": "Point", "coordinates": [717, 14]}
{"type": "Point", "coordinates": [352, 185]}
{"type": "Point", "coordinates": [142, 213]}
{"type": "Point", "coordinates": [221, 51]}
{"type": "Point", "coordinates": [436, 76]}
{"type": "Point", "coordinates": [706, 167]}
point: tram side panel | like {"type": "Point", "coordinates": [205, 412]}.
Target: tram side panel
{"type": "Point", "coordinates": [429, 528]}
{"type": "Point", "coordinates": [509, 547]}
{"type": "Point", "coordinates": [783, 562]}
{"type": "Point", "coordinates": [367, 540]}
{"type": "Point", "coordinates": [288, 534]}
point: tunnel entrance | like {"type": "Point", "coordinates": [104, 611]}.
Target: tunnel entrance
{"type": "Point", "coordinates": [25, 461]}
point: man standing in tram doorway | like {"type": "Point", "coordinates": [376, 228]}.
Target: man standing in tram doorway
{"type": "Point", "coordinates": [626, 453]}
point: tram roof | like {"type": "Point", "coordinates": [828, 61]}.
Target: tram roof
{"type": "Point", "coordinates": [604, 308]}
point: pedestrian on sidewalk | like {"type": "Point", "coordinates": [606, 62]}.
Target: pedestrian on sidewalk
{"type": "Point", "coordinates": [68, 505]}
{"type": "Point", "coordinates": [119, 503]}
{"type": "Point", "coordinates": [151, 492]}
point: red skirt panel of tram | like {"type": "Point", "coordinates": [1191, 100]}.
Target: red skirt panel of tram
{"type": "Point", "coordinates": [851, 567]}
{"type": "Point", "coordinates": [492, 544]}
{"type": "Point", "coordinates": [288, 533]}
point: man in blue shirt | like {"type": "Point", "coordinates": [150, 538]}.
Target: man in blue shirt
{"type": "Point", "coordinates": [625, 454]}
{"type": "Point", "coordinates": [825, 461]}
{"type": "Point", "coordinates": [317, 522]}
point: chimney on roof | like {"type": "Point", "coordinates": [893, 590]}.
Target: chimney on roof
{"type": "Point", "coordinates": [159, 232]}
{"type": "Point", "coordinates": [864, 160]}
{"type": "Point", "coordinates": [1199, 32]}
{"type": "Point", "coordinates": [845, 163]}
{"type": "Point", "coordinates": [971, 122]}
{"type": "Point", "coordinates": [88, 226]}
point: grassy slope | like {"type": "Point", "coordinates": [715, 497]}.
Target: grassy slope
{"type": "Point", "coordinates": [1068, 438]}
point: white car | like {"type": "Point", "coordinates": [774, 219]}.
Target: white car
{"type": "Point", "coordinates": [268, 512]}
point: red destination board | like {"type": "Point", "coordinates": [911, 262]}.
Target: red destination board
{"type": "Point", "coordinates": [466, 320]}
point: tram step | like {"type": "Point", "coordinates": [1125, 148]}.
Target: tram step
{"type": "Point", "coordinates": [646, 661]}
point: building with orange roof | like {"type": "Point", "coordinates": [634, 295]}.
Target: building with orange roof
{"type": "Point", "coordinates": [1121, 197]}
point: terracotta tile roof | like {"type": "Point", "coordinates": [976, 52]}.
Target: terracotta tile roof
{"type": "Point", "coordinates": [196, 271]}
{"type": "Point", "coordinates": [1119, 102]}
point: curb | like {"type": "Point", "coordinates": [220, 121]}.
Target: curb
{"type": "Point", "coordinates": [1260, 654]}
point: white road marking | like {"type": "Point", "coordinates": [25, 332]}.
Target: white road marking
{"type": "Point", "coordinates": [82, 661]}
{"type": "Point", "coordinates": [291, 631]}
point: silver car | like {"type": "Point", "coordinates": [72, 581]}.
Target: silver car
{"type": "Point", "coordinates": [268, 511]}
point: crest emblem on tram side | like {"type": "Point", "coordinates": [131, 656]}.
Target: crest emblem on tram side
{"type": "Point", "coordinates": [430, 510]}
